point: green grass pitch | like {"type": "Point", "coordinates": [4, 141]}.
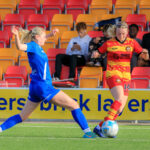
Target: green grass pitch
{"type": "Point", "coordinates": [68, 136]}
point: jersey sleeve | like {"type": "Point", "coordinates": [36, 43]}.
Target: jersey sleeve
{"type": "Point", "coordinates": [103, 48]}
{"type": "Point", "coordinates": [137, 48]}
{"type": "Point", "coordinates": [30, 48]}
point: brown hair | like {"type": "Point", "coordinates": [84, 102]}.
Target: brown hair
{"type": "Point", "coordinates": [81, 25]}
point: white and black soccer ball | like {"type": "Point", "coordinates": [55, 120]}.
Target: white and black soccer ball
{"type": "Point", "coordinates": [110, 128]}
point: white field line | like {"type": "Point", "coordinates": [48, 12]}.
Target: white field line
{"type": "Point", "coordinates": [75, 138]}
{"type": "Point", "coordinates": [126, 128]}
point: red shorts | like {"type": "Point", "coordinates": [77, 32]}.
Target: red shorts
{"type": "Point", "coordinates": [115, 81]}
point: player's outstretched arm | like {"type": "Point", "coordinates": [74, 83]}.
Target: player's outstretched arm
{"type": "Point", "coordinates": [53, 33]}
{"type": "Point", "coordinates": [19, 45]}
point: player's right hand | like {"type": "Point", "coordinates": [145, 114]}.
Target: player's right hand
{"type": "Point", "coordinates": [14, 30]}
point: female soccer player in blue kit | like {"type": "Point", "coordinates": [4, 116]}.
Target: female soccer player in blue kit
{"type": "Point", "coordinates": [41, 88]}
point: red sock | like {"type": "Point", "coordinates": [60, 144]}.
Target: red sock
{"type": "Point", "coordinates": [115, 117]}
{"type": "Point", "coordinates": [100, 124]}
{"type": "Point", "coordinates": [112, 113]}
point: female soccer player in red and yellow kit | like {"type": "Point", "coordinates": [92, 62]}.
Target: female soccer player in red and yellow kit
{"type": "Point", "coordinates": [119, 52]}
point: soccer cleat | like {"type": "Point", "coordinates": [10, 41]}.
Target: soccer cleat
{"type": "Point", "coordinates": [89, 135]}
{"type": "Point", "coordinates": [0, 129]}
{"type": "Point", "coordinates": [98, 132]}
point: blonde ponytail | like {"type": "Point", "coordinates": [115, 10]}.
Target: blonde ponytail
{"type": "Point", "coordinates": [27, 36]}
{"type": "Point", "coordinates": [111, 31]}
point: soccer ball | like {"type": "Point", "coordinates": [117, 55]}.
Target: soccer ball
{"type": "Point", "coordinates": [110, 128]}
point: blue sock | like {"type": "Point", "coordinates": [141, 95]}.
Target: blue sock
{"type": "Point", "coordinates": [10, 122]}
{"type": "Point", "coordinates": [80, 119]}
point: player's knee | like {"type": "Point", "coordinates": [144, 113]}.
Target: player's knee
{"type": "Point", "coordinates": [74, 105]}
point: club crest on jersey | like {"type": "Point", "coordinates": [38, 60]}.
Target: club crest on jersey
{"type": "Point", "coordinates": [128, 48]}
{"type": "Point", "coordinates": [118, 80]}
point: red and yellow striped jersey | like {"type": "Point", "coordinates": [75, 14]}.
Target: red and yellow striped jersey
{"type": "Point", "coordinates": [119, 56]}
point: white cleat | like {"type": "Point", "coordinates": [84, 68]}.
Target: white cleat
{"type": "Point", "coordinates": [0, 129]}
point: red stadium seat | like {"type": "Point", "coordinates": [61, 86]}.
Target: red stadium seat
{"type": "Point", "coordinates": [16, 76]}
{"type": "Point", "coordinates": [75, 7]}
{"type": "Point", "coordinates": [4, 39]}
{"type": "Point", "coordinates": [28, 7]}
{"type": "Point", "coordinates": [51, 7]}
{"type": "Point", "coordinates": [51, 54]}
{"type": "Point", "coordinates": [140, 77]}
{"type": "Point", "coordinates": [93, 34]}
{"type": "Point", "coordinates": [40, 20]}
{"type": "Point", "coordinates": [139, 19]}
{"type": "Point", "coordinates": [140, 34]}
{"type": "Point", "coordinates": [3, 84]}
{"type": "Point", "coordinates": [13, 19]}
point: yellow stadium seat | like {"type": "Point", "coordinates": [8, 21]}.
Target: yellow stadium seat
{"type": "Point", "coordinates": [100, 7]}
{"type": "Point", "coordinates": [66, 37]}
{"type": "Point", "coordinates": [125, 7]}
{"type": "Point", "coordinates": [89, 19]}
{"type": "Point", "coordinates": [63, 22]}
{"type": "Point", "coordinates": [90, 77]}
{"type": "Point", "coordinates": [7, 57]}
{"type": "Point", "coordinates": [144, 8]}
{"type": "Point", "coordinates": [41, 1]}
{"type": "Point", "coordinates": [1, 73]}
{"type": "Point", "coordinates": [7, 7]}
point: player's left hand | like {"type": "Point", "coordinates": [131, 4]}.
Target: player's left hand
{"type": "Point", "coordinates": [54, 31]}
{"type": "Point", "coordinates": [144, 55]}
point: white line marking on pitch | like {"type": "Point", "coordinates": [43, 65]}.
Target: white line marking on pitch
{"type": "Point", "coordinates": [58, 138]}
{"type": "Point", "coordinates": [134, 128]}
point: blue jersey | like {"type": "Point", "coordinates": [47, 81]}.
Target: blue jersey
{"type": "Point", "coordinates": [39, 62]}
{"type": "Point", "coordinates": [41, 87]}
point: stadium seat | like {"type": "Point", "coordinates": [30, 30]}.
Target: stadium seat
{"type": "Point", "coordinates": [3, 83]}
{"type": "Point", "coordinates": [51, 7]}
{"type": "Point", "coordinates": [63, 22]}
{"type": "Point", "coordinates": [1, 73]}
{"type": "Point", "coordinates": [7, 57]}
{"type": "Point", "coordinates": [125, 7]}
{"type": "Point", "coordinates": [16, 76]}
{"type": "Point", "coordinates": [93, 34]}
{"type": "Point", "coordinates": [144, 8]}
{"type": "Point", "coordinates": [140, 77]}
{"type": "Point", "coordinates": [75, 7]}
{"type": "Point", "coordinates": [4, 39]}
{"type": "Point", "coordinates": [12, 19]}
{"type": "Point", "coordinates": [40, 20]}
{"type": "Point", "coordinates": [41, 1]}
{"type": "Point", "coordinates": [89, 19]}
{"type": "Point", "coordinates": [100, 7]}
{"type": "Point", "coordinates": [23, 61]}
{"type": "Point", "coordinates": [28, 7]}
{"type": "Point", "coordinates": [64, 81]}
{"type": "Point", "coordinates": [90, 77]}
{"type": "Point", "coordinates": [140, 34]}
{"type": "Point", "coordinates": [51, 54]}
{"type": "Point", "coordinates": [7, 7]}
{"type": "Point", "coordinates": [66, 37]}
{"type": "Point", "coordinates": [139, 19]}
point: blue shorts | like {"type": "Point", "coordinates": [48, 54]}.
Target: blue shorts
{"type": "Point", "coordinates": [41, 91]}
